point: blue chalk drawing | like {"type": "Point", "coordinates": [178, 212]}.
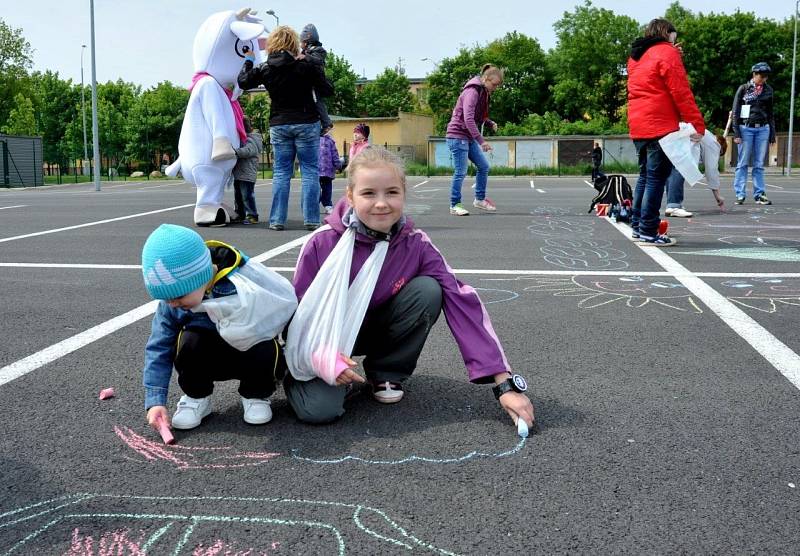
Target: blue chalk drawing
{"type": "Point", "coordinates": [44, 516]}
{"type": "Point", "coordinates": [409, 459]}
{"type": "Point", "coordinates": [778, 254]}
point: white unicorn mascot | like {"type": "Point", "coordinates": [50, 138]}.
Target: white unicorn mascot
{"type": "Point", "coordinates": [213, 122]}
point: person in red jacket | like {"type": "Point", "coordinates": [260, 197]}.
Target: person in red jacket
{"type": "Point", "coordinates": [659, 98]}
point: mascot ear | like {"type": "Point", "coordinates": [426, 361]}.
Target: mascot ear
{"type": "Point", "coordinates": [246, 31]}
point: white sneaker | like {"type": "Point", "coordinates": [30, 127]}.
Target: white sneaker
{"type": "Point", "coordinates": [257, 411]}
{"type": "Point", "coordinates": [484, 204]}
{"type": "Point", "coordinates": [191, 412]}
{"type": "Point", "coordinates": [328, 210]}
{"type": "Point", "coordinates": [680, 212]}
{"type": "Point", "coordinates": [387, 392]}
{"type": "Point", "coordinates": [459, 210]}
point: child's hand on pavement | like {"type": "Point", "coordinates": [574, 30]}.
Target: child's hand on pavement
{"type": "Point", "coordinates": [518, 405]}
{"type": "Point", "coordinates": [158, 413]}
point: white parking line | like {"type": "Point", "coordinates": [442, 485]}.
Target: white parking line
{"type": "Point", "coordinates": [420, 183]}
{"type": "Point", "coordinates": [97, 223]}
{"type": "Point", "coordinates": [65, 347]}
{"type": "Point", "coordinates": [778, 354]}
{"type": "Point", "coordinates": [13, 207]}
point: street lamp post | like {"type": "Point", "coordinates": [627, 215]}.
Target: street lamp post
{"type": "Point", "coordinates": [85, 164]}
{"type": "Point", "coordinates": [791, 99]}
{"type": "Point", "coordinates": [272, 13]}
{"type": "Point", "coordinates": [95, 132]}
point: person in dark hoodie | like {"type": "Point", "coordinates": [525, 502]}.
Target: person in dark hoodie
{"type": "Point", "coordinates": [294, 125]}
{"type": "Point", "coordinates": [659, 98]}
{"type": "Point", "coordinates": [465, 140]}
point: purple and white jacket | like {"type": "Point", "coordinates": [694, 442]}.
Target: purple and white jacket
{"type": "Point", "coordinates": [411, 254]}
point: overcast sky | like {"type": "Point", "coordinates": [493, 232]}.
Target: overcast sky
{"type": "Point", "coordinates": [149, 41]}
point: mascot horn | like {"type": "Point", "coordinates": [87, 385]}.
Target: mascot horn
{"type": "Point", "coordinates": [213, 120]}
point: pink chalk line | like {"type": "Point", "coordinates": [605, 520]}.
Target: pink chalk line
{"type": "Point", "coordinates": [186, 457]}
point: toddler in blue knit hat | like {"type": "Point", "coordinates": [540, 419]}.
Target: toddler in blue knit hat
{"type": "Point", "coordinates": [218, 319]}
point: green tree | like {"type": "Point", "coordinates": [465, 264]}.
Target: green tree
{"type": "Point", "coordinates": [15, 60]}
{"type": "Point", "coordinates": [720, 49]}
{"type": "Point", "coordinates": [341, 74]}
{"type": "Point", "coordinates": [57, 104]}
{"type": "Point", "coordinates": [153, 125]}
{"type": "Point", "coordinates": [256, 106]}
{"type": "Point", "coordinates": [386, 96]}
{"type": "Point", "coordinates": [115, 101]}
{"type": "Point", "coordinates": [21, 119]}
{"type": "Point", "coordinates": [523, 92]}
{"type": "Point", "coordinates": [588, 62]}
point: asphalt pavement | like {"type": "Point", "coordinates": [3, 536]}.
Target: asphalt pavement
{"type": "Point", "coordinates": [665, 383]}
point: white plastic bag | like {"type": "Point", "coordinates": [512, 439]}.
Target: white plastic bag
{"type": "Point", "coordinates": [330, 314]}
{"type": "Point", "coordinates": [683, 152]}
{"type": "Point", "coordinates": [263, 305]}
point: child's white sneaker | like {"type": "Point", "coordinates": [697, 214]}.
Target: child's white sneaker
{"type": "Point", "coordinates": [191, 412]}
{"type": "Point", "coordinates": [328, 210]}
{"type": "Point", "coordinates": [257, 411]}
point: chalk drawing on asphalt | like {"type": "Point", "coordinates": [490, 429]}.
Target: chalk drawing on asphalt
{"type": "Point", "coordinates": [632, 291]}
{"type": "Point", "coordinates": [766, 295]}
{"type": "Point", "coordinates": [414, 458]}
{"type": "Point", "coordinates": [190, 457]}
{"type": "Point", "coordinates": [82, 524]}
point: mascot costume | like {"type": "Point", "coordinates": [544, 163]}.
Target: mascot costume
{"type": "Point", "coordinates": [213, 123]}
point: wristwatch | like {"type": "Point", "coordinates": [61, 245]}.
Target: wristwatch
{"type": "Point", "coordinates": [514, 384]}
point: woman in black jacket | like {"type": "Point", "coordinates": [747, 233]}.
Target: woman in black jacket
{"type": "Point", "coordinates": [753, 128]}
{"type": "Point", "coordinates": [293, 123]}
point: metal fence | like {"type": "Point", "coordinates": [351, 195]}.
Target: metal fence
{"type": "Point", "coordinates": [20, 161]}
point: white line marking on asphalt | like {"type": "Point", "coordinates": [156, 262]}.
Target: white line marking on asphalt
{"type": "Point", "coordinates": [540, 190]}
{"type": "Point", "coordinates": [73, 343]}
{"type": "Point", "coordinates": [53, 231]}
{"type": "Point", "coordinates": [532, 186]}
{"type": "Point", "coordinates": [420, 183]}
{"type": "Point", "coordinates": [64, 347]}
{"type": "Point", "coordinates": [778, 354]}
{"type": "Point", "coordinates": [588, 183]}
{"type": "Point", "coordinates": [13, 207]}
{"type": "Point", "coordinates": [775, 186]}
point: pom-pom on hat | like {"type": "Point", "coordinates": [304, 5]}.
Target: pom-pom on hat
{"type": "Point", "coordinates": [363, 129]}
{"type": "Point", "coordinates": [175, 262]}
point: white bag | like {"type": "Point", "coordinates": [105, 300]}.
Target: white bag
{"type": "Point", "coordinates": [263, 305]}
{"type": "Point", "coordinates": [683, 152]}
{"type": "Point", "coordinates": [330, 314]}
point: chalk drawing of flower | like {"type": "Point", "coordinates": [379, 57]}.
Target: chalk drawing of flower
{"type": "Point", "coordinates": [635, 292]}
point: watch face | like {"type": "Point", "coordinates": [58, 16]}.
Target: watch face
{"type": "Point", "coordinates": [519, 383]}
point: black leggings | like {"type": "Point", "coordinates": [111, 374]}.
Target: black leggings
{"type": "Point", "coordinates": [204, 358]}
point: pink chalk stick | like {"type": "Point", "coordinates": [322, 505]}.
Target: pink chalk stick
{"type": "Point", "coordinates": [106, 393]}
{"type": "Point", "coordinates": [320, 358]}
{"type": "Point", "coordinates": [342, 363]}
{"type": "Point", "coordinates": [166, 434]}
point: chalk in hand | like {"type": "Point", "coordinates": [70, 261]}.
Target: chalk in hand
{"type": "Point", "coordinates": [106, 393]}
{"type": "Point", "coordinates": [522, 427]}
{"type": "Point", "coordinates": [166, 434]}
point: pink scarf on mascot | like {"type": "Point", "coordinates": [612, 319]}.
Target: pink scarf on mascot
{"type": "Point", "coordinates": [238, 114]}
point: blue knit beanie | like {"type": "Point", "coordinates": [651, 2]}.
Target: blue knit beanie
{"type": "Point", "coordinates": [175, 262]}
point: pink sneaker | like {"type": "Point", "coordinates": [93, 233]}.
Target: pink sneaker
{"type": "Point", "coordinates": [486, 204]}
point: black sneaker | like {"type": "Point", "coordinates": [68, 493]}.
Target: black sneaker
{"type": "Point", "coordinates": [276, 227]}
{"type": "Point", "coordinates": [658, 241]}
{"type": "Point", "coordinates": [762, 200]}
{"type": "Point", "coordinates": [739, 200]}
{"type": "Point", "coordinates": [311, 227]}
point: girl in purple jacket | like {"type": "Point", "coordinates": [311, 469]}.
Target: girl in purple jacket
{"type": "Point", "coordinates": [415, 284]}
{"type": "Point", "coordinates": [465, 140]}
{"type": "Point", "coordinates": [329, 164]}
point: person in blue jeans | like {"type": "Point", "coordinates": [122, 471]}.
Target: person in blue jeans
{"type": "Point", "coordinates": [659, 98]}
{"type": "Point", "coordinates": [291, 81]}
{"type": "Point", "coordinates": [753, 128]}
{"type": "Point", "coordinates": [465, 141]}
